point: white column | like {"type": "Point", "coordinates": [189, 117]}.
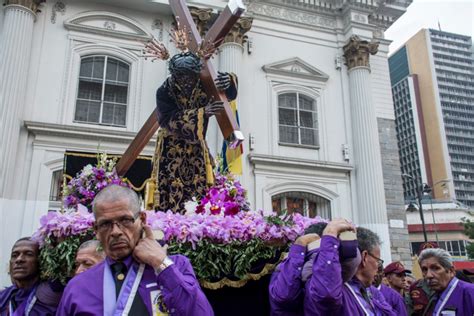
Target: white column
{"type": "Point", "coordinates": [230, 59]}
{"type": "Point", "coordinates": [372, 209]}
{"type": "Point", "coordinates": [15, 50]}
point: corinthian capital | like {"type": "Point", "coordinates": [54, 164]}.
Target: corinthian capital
{"type": "Point", "coordinates": [30, 4]}
{"type": "Point", "coordinates": [237, 34]}
{"type": "Point", "coordinates": [202, 19]}
{"type": "Point", "coordinates": [357, 52]}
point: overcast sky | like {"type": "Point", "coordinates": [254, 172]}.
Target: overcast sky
{"type": "Point", "coordinates": [454, 16]}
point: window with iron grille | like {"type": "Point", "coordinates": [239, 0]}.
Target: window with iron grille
{"type": "Point", "coordinates": [103, 91]}
{"type": "Point", "coordinates": [306, 204]}
{"type": "Point", "coordinates": [298, 119]}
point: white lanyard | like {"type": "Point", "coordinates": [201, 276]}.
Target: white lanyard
{"type": "Point", "coordinates": [357, 298]}
{"type": "Point", "coordinates": [446, 298]}
{"type": "Point", "coordinates": [133, 292]}
{"type": "Point", "coordinates": [30, 303]}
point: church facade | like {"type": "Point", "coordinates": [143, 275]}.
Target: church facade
{"type": "Point", "coordinates": [314, 102]}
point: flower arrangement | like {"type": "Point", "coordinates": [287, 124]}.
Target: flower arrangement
{"type": "Point", "coordinates": [235, 243]}
{"type": "Point", "coordinates": [59, 236]}
{"type": "Point", "coordinates": [226, 197]}
{"type": "Point", "coordinates": [83, 188]}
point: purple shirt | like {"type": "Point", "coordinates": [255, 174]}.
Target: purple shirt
{"type": "Point", "coordinates": [457, 297]}
{"type": "Point", "coordinates": [326, 294]}
{"type": "Point", "coordinates": [40, 308]}
{"type": "Point", "coordinates": [181, 292]}
{"type": "Point", "coordinates": [286, 287]}
{"type": "Point", "coordinates": [394, 299]}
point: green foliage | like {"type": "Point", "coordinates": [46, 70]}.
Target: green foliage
{"type": "Point", "coordinates": [213, 262]}
{"type": "Point", "coordinates": [57, 258]}
{"type": "Point", "coordinates": [469, 231]}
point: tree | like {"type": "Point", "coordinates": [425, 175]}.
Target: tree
{"type": "Point", "coordinates": [469, 231]}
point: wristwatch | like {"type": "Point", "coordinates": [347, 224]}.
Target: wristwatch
{"type": "Point", "coordinates": [165, 264]}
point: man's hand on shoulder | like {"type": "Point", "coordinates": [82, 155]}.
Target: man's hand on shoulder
{"type": "Point", "coordinates": [149, 251]}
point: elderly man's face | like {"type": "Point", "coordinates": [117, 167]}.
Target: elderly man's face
{"type": "Point", "coordinates": [435, 274]}
{"type": "Point", "coordinates": [24, 261]}
{"type": "Point", "coordinates": [117, 228]}
{"type": "Point", "coordinates": [86, 258]}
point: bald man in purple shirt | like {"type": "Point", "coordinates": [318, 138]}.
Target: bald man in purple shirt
{"type": "Point", "coordinates": [137, 277]}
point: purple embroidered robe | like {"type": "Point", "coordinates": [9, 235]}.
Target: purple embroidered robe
{"type": "Point", "coordinates": [179, 287]}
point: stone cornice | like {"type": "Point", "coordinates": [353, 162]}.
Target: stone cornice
{"type": "Point", "coordinates": [29, 4]}
{"type": "Point", "coordinates": [80, 132]}
{"type": "Point", "coordinates": [323, 13]}
{"type": "Point", "coordinates": [262, 161]}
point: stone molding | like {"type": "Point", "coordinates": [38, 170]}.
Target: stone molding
{"type": "Point", "coordinates": [296, 67]}
{"type": "Point", "coordinates": [293, 16]}
{"type": "Point", "coordinates": [107, 24]}
{"type": "Point", "coordinates": [29, 4]}
{"type": "Point", "coordinates": [357, 52]}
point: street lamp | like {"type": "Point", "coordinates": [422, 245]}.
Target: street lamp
{"type": "Point", "coordinates": [419, 195]}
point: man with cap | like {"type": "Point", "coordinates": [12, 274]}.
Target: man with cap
{"type": "Point", "coordinates": [395, 274]}
{"type": "Point", "coordinates": [327, 293]}
{"type": "Point", "coordinates": [392, 297]}
{"type": "Point", "coordinates": [451, 295]}
{"type": "Point", "coordinates": [137, 276]}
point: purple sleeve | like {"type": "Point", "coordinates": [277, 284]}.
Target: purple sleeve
{"type": "Point", "coordinates": [325, 285]}
{"type": "Point", "coordinates": [399, 308]}
{"type": "Point", "coordinates": [182, 292]}
{"type": "Point", "coordinates": [286, 285]}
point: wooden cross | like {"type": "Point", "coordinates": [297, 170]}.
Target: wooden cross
{"type": "Point", "coordinates": [226, 120]}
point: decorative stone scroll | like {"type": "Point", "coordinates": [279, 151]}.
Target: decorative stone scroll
{"type": "Point", "coordinates": [237, 34]}
{"type": "Point", "coordinates": [357, 52]}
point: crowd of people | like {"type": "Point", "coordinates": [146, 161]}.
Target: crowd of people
{"type": "Point", "coordinates": [333, 269]}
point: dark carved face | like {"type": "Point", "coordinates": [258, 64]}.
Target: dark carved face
{"type": "Point", "coordinates": [24, 260]}
{"type": "Point", "coordinates": [185, 69]}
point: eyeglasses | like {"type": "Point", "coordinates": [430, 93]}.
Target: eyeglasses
{"type": "Point", "coordinates": [379, 261]}
{"type": "Point", "coordinates": [124, 222]}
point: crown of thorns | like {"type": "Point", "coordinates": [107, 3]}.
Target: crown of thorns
{"type": "Point", "coordinates": [154, 49]}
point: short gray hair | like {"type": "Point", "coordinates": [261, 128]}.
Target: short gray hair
{"type": "Point", "coordinates": [367, 239]}
{"type": "Point", "coordinates": [443, 257]}
{"type": "Point", "coordinates": [114, 192]}
{"type": "Point", "coordinates": [93, 243]}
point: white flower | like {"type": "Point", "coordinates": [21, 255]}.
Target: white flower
{"type": "Point", "coordinates": [87, 171]}
{"type": "Point", "coordinates": [190, 206]}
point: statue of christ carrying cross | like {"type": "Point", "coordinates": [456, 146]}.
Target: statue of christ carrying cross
{"type": "Point", "coordinates": [183, 166]}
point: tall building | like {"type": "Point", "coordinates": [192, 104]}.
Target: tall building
{"type": "Point", "coordinates": [314, 102]}
{"type": "Point", "coordinates": [432, 79]}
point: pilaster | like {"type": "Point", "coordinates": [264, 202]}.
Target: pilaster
{"type": "Point", "coordinates": [15, 49]}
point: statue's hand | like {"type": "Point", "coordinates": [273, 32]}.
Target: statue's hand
{"type": "Point", "coordinates": [223, 80]}
{"type": "Point", "coordinates": [213, 108]}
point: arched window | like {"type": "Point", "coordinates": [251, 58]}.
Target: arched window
{"type": "Point", "coordinates": [307, 204]}
{"type": "Point", "coordinates": [298, 119]}
{"type": "Point", "coordinates": [103, 91]}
